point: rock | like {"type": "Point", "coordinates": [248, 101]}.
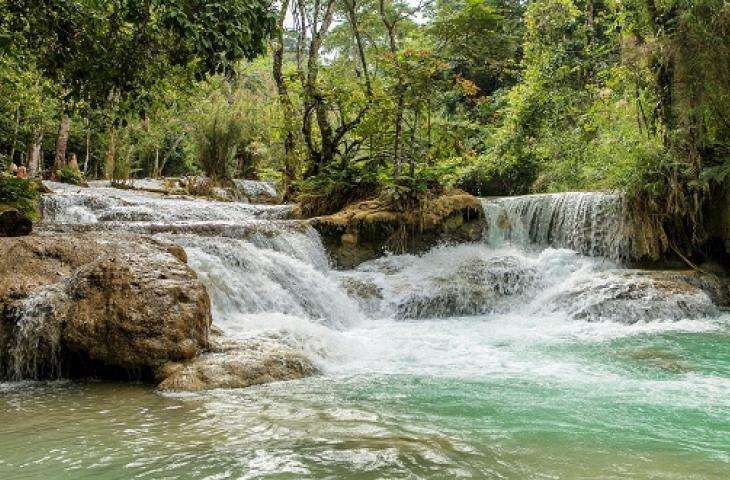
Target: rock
{"type": "Point", "coordinates": [631, 296]}
{"type": "Point", "coordinates": [215, 189]}
{"type": "Point", "coordinates": [124, 302]}
{"type": "Point", "coordinates": [368, 229]}
{"type": "Point", "coordinates": [258, 192]}
{"type": "Point", "coordinates": [13, 223]}
{"type": "Point", "coordinates": [475, 287]}
{"type": "Point", "coordinates": [470, 283]}
{"type": "Point", "coordinates": [236, 364]}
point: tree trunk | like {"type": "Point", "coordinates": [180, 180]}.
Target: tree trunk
{"type": "Point", "coordinates": [109, 158]}
{"type": "Point", "coordinates": [60, 160]}
{"type": "Point", "coordinates": [170, 152]}
{"type": "Point", "coordinates": [156, 168]}
{"type": "Point", "coordinates": [392, 43]}
{"type": "Point", "coordinates": [34, 154]}
{"type": "Point", "coordinates": [286, 105]}
{"type": "Point", "coordinates": [15, 134]}
{"type": "Point", "coordinates": [88, 149]}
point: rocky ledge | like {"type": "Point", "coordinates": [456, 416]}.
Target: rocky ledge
{"type": "Point", "coordinates": [236, 364]}
{"type": "Point", "coordinates": [73, 305]}
{"type": "Point", "coordinates": [122, 307]}
{"type": "Point", "coordinates": [368, 229]}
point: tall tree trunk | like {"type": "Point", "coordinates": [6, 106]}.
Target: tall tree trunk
{"type": "Point", "coordinates": [156, 168]}
{"type": "Point", "coordinates": [109, 157]}
{"type": "Point", "coordinates": [286, 105]}
{"type": "Point", "coordinates": [61, 141]}
{"type": "Point", "coordinates": [88, 149]}
{"type": "Point", "coordinates": [399, 92]}
{"type": "Point", "coordinates": [34, 154]}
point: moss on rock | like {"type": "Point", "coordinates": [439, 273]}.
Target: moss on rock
{"type": "Point", "coordinates": [367, 229]}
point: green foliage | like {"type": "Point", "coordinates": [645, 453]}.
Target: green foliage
{"type": "Point", "coordinates": [69, 175]}
{"type": "Point", "coordinates": [134, 42]}
{"type": "Point", "coordinates": [218, 136]}
{"type": "Point", "coordinates": [336, 187]}
{"type": "Point", "coordinates": [369, 98]}
{"type": "Point", "coordinates": [20, 194]}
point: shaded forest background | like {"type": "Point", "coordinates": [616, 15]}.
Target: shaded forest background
{"type": "Point", "coordinates": [343, 99]}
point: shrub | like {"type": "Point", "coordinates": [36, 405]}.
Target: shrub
{"type": "Point", "coordinates": [70, 175]}
{"type": "Point", "coordinates": [20, 194]}
{"type": "Point", "coordinates": [218, 138]}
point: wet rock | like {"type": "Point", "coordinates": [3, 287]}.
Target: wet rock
{"type": "Point", "coordinates": [13, 223]}
{"type": "Point", "coordinates": [473, 288]}
{"type": "Point", "coordinates": [258, 191]}
{"type": "Point", "coordinates": [368, 229]}
{"type": "Point", "coordinates": [631, 296]}
{"type": "Point", "coordinates": [236, 364]}
{"type": "Point", "coordinates": [439, 284]}
{"type": "Point", "coordinates": [122, 302]}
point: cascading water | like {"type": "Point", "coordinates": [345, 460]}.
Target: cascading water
{"type": "Point", "coordinates": [534, 354]}
{"type": "Point", "coordinates": [588, 222]}
{"type": "Point", "coordinates": [33, 349]}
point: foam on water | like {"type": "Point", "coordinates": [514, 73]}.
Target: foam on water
{"type": "Point", "coordinates": [499, 359]}
{"type": "Point", "coordinates": [77, 205]}
{"type": "Point", "coordinates": [590, 223]}
{"type": "Point", "coordinates": [244, 278]}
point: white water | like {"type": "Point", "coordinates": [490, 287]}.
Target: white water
{"type": "Point", "coordinates": [590, 223]}
{"type": "Point", "coordinates": [517, 357]}
{"type": "Point", "coordinates": [273, 275]}
{"type": "Point", "coordinates": [35, 343]}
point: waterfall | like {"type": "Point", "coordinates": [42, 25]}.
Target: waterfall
{"type": "Point", "coordinates": [34, 343]}
{"type": "Point", "coordinates": [285, 275]}
{"type": "Point", "coordinates": [555, 255]}
{"type": "Point", "coordinates": [75, 205]}
{"type": "Point", "coordinates": [590, 223]}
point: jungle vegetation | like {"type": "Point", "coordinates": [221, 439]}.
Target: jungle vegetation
{"type": "Point", "coordinates": [343, 99]}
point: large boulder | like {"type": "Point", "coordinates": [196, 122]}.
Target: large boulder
{"type": "Point", "coordinates": [72, 304]}
{"type": "Point", "coordinates": [13, 223]}
{"type": "Point", "coordinates": [236, 364]}
{"type": "Point", "coordinates": [633, 296]}
{"type": "Point", "coordinates": [368, 229]}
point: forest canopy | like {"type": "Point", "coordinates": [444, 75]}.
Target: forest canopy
{"type": "Point", "coordinates": [344, 99]}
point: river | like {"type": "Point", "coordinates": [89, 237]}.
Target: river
{"type": "Point", "coordinates": [512, 358]}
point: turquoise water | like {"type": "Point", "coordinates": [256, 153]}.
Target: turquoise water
{"type": "Point", "coordinates": [568, 367]}
{"type": "Point", "coordinates": [594, 405]}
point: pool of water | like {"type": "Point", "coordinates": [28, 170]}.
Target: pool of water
{"type": "Point", "coordinates": [410, 399]}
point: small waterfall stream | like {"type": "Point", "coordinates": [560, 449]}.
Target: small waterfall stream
{"type": "Point", "coordinates": [590, 223]}
{"type": "Point", "coordinates": [530, 354]}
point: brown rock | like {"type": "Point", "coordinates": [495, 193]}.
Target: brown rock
{"type": "Point", "coordinates": [126, 302]}
{"type": "Point", "coordinates": [13, 223]}
{"type": "Point", "coordinates": [236, 364]}
{"type": "Point", "coordinates": [368, 229]}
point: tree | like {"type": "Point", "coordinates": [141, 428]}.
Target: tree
{"type": "Point", "coordinates": [104, 51]}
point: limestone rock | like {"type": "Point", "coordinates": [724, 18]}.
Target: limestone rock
{"type": "Point", "coordinates": [121, 302]}
{"type": "Point", "coordinates": [236, 364]}
{"type": "Point", "coordinates": [368, 229]}
{"type": "Point", "coordinates": [631, 296]}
